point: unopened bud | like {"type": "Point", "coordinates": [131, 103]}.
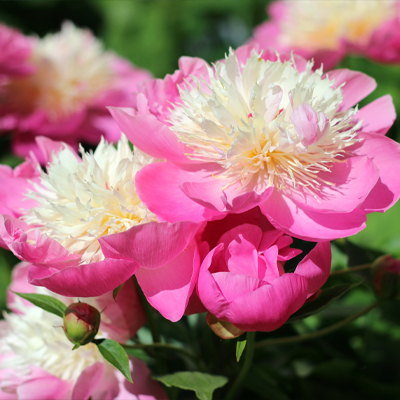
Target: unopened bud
{"type": "Point", "coordinates": [81, 323]}
{"type": "Point", "coordinates": [386, 277]}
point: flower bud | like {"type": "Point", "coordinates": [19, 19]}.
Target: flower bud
{"type": "Point", "coordinates": [386, 277]}
{"type": "Point", "coordinates": [81, 323]}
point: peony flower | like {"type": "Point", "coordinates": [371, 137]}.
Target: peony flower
{"type": "Point", "coordinates": [257, 130]}
{"type": "Point", "coordinates": [242, 278]}
{"type": "Point", "coordinates": [36, 360]}
{"type": "Point", "coordinates": [15, 50]}
{"type": "Point", "coordinates": [327, 31]}
{"type": "Point", "coordinates": [86, 208]}
{"type": "Point", "coordinates": [65, 97]}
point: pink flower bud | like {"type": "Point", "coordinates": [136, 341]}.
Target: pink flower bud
{"type": "Point", "coordinates": [81, 323]}
{"type": "Point", "coordinates": [386, 277]}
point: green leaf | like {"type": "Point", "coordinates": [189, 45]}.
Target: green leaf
{"type": "Point", "coordinates": [326, 297]}
{"type": "Point", "coordinates": [47, 303]}
{"type": "Point", "coordinates": [240, 346]}
{"type": "Point", "coordinates": [382, 233]}
{"type": "Point", "coordinates": [115, 354]}
{"type": "Point", "coordinates": [202, 384]}
{"type": "Point", "coordinates": [117, 290]}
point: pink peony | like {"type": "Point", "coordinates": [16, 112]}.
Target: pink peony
{"type": "Point", "coordinates": [260, 131]}
{"type": "Point", "coordinates": [242, 279]}
{"type": "Point", "coordinates": [15, 50]}
{"type": "Point", "coordinates": [65, 96]}
{"type": "Point", "coordinates": [86, 231]}
{"type": "Point", "coordinates": [36, 360]}
{"type": "Point", "coordinates": [327, 31]}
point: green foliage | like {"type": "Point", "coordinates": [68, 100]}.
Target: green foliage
{"type": "Point", "coordinates": [326, 297]}
{"type": "Point", "coordinates": [203, 384]}
{"type": "Point", "coordinates": [47, 303]}
{"type": "Point", "coordinates": [115, 354]}
{"type": "Point", "coordinates": [382, 232]}
{"type": "Point", "coordinates": [240, 346]}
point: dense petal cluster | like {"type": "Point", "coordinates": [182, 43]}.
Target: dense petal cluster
{"type": "Point", "coordinates": [81, 205]}
{"type": "Point", "coordinates": [71, 81]}
{"type": "Point", "coordinates": [326, 31]}
{"type": "Point", "coordinates": [244, 280]}
{"type": "Point", "coordinates": [258, 129]}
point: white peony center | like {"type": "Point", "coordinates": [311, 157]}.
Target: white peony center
{"type": "Point", "coordinates": [80, 201]}
{"type": "Point", "coordinates": [241, 120]}
{"type": "Point", "coordinates": [322, 24]}
{"type": "Point", "coordinates": [37, 338]}
{"type": "Point", "coordinates": [71, 69]}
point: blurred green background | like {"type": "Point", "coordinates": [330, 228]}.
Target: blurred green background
{"type": "Point", "coordinates": [361, 361]}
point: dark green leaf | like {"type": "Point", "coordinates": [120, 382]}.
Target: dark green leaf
{"type": "Point", "coordinates": [115, 354]}
{"type": "Point", "coordinates": [240, 346]}
{"type": "Point", "coordinates": [117, 290]}
{"type": "Point", "coordinates": [202, 384]}
{"type": "Point", "coordinates": [326, 297]}
{"type": "Point", "coordinates": [47, 303]}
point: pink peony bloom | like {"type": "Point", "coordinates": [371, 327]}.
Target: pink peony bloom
{"type": "Point", "coordinates": [87, 231]}
{"type": "Point", "coordinates": [327, 31]}
{"type": "Point", "coordinates": [65, 96]}
{"type": "Point", "coordinates": [15, 51]}
{"type": "Point", "coordinates": [260, 131]}
{"type": "Point", "coordinates": [36, 360]}
{"type": "Point", "coordinates": [242, 279]}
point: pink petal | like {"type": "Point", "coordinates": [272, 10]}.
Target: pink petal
{"type": "Point", "coordinates": [308, 225]}
{"type": "Point", "coordinates": [143, 386]}
{"type": "Point", "coordinates": [151, 245]}
{"type": "Point", "coordinates": [151, 136]}
{"type": "Point", "coordinates": [208, 194]}
{"type": "Point", "coordinates": [239, 203]}
{"type": "Point", "coordinates": [44, 388]}
{"type": "Point", "coordinates": [88, 381]}
{"type": "Point", "coordinates": [50, 147]}
{"type": "Point", "coordinates": [208, 289]}
{"type": "Point", "coordinates": [269, 307]}
{"type": "Point", "coordinates": [272, 270]}
{"type": "Point", "coordinates": [240, 244]}
{"type": "Point", "coordinates": [352, 182]}
{"type": "Point", "coordinates": [316, 266]}
{"type": "Point", "coordinates": [159, 187]}
{"type": "Point", "coordinates": [233, 286]}
{"type": "Point", "coordinates": [85, 280]}
{"type": "Point", "coordinates": [358, 86]}
{"type": "Point", "coordinates": [378, 116]}
{"type": "Point", "coordinates": [305, 121]}
{"type": "Point", "coordinates": [385, 154]}
{"type": "Point", "coordinates": [269, 238]}
{"type": "Point", "coordinates": [169, 287]}
{"type": "Point", "coordinates": [123, 316]}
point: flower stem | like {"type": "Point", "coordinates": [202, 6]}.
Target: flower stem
{"type": "Point", "coordinates": [248, 358]}
{"type": "Point", "coordinates": [351, 269]}
{"type": "Point", "coordinates": [321, 332]}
